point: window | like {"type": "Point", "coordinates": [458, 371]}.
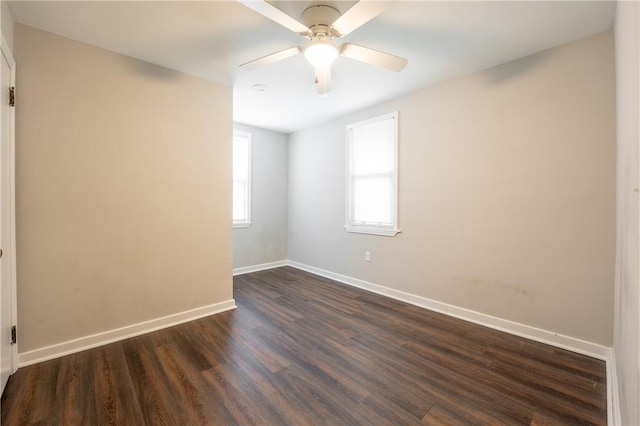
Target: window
{"type": "Point", "coordinates": [372, 176]}
{"type": "Point", "coordinates": [241, 179]}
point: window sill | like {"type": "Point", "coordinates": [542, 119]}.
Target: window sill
{"type": "Point", "coordinates": [241, 225]}
{"type": "Point", "coordinates": [372, 231]}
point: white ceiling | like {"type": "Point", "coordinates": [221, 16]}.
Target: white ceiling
{"type": "Point", "coordinates": [209, 39]}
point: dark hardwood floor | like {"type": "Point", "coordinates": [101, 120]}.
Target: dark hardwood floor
{"type": "Point", "coordinates": [304, 350]}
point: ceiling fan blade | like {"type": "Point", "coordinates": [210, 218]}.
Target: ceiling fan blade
{"type": "Point", "coordinates": [373, 57]}
{"type": "Point", "coordinates": [361, 13]}
{"type": "Point", "coordinates": [274, 57]}
{"type": "Point", "coordinates": [323, 80]}
{"type": "Point", "coordinates": [276, 15]}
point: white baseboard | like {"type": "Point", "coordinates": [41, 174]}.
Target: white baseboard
{"type": "Point", "coordinates": [533, 333]}
{"type": "Point", "coordinates": [544, 336]}
{"type": "Point", "coordinates": [539, 335]}
{"type": "Point", "coordinates": [106, 337]}
{"type": "Point", "coordinates": [261, 267]}
{"type": "Point", "coordinates": [536, 334]}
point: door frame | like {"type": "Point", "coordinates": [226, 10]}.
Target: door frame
{"type": "Point", "coordinates": [11, 250]}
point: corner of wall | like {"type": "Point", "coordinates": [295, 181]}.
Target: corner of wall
{"type": "Point", "coordinates": [110, 336]}
{"type": "Point", "coordinates": [544, 336]}
{"type": "Point", "coordinates": [7, 24]}
{"type": "Point", "coordinates": [613, 397]}
{"type": "Point", "coordinates": [625, 378]}
{"type": "Point", "coordinates": [266, 240]}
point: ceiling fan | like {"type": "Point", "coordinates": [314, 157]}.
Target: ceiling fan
{"type": "Point", "coordinates": [321, 24]}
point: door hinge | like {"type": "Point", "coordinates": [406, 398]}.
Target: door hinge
{"type": "Point", "coordinates": [14, 335]}
{"type": "Point", "coordinates": [12, 96]}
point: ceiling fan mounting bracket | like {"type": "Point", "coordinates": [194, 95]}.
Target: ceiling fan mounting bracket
{"type": "Point", "coordinates": [318, 18]}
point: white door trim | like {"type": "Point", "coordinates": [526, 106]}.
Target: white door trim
{"type": "Point", "coordinates": [6, 53]}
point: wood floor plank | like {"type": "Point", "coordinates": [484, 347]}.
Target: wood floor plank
{"type": "Point", "coordinates": [113, 387]}
{"type": "Point", "coordinates": [202, 408]}
{"type": "Point", "coordinates": [75, 403]}
{"type": "Point", "coordinates": [351, 364]}
{"type": "Point", "coordinates": [26, 396]}
{"type": "Point", "coordinates": [240, 407]}
{"type": "Point", "coordinates": [262, 349]}
{"type": "Point", "coordinates": [151, 385]}
{"type": "Point", "coordinates": [305, 350]}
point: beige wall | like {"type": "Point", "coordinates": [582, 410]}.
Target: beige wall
{"type": "Point", "coordinates": [266, 239]}
{"type": "Point", "coordinates": [123, 190]}
{"type": "Point", "coordinates": [627, 301]}
{"type": "Point", "coordinates": [507, 193]}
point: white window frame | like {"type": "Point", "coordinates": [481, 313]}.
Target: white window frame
{"type": "Point", "coordinates": [245, 223]}
{"type": "Point", "coordinates": [388, 230]}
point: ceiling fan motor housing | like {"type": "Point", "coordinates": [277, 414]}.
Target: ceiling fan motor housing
{"type": "Point", "coordinates": [318, 19]}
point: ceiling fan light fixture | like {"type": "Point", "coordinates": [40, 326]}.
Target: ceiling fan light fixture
{"type": "Point", "coordinates": [321, 53]}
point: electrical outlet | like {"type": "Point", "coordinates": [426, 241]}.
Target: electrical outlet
{"type": "Point", "coordinates": [367, 256]}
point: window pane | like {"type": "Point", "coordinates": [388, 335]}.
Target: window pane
{"type": "Point", "coordinates": [240, 158]}
{"type": "Point", "coordinates": [241, 177]}
{"type": "Point", "coordinates": [239, 200]}
{"type": "Point", "coordinates": [373, 148]}
{"type": "Point", "coordinates": [372, 202]}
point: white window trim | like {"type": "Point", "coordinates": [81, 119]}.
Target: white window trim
{"type": "Point", "coordinates": [245, 223]}
{"type": "Point", "coordinates": [391, 232]}
{"type": "Point", "coordinates": [384, 230]}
